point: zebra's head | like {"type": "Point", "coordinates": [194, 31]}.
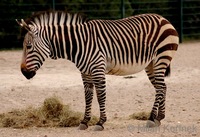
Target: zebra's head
{"type": "Point", "coordinates": [39, 41]}
{"type": "Point", "coordinates": [35, 50]}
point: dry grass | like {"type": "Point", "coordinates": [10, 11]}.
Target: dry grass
{"type": "Point", "coordinates": [53, 113]}
{"type": "Point", "coordinates": [140, 116]}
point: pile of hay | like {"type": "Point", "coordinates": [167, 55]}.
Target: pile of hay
{"type": "Point", "coordinates": [140, 116]}
{"type": "Point", "coordinates": [51, 114]}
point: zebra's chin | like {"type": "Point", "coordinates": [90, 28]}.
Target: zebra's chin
{"type": "Point", "coordinates": [28, 74]}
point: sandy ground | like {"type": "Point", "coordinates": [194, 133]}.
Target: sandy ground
{"type": "Point", "coordinates": [124, 97]}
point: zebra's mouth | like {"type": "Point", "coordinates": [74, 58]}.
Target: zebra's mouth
{"type": "Point", "coordinates": [28, 74]}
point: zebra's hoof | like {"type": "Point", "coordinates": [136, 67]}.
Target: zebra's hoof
{"type": "Point", "coordinates": [82, 127]}
{"type": "Point", "coordinates": [98, 128]}
{"type": "Point", "coordinates": [151, 124]}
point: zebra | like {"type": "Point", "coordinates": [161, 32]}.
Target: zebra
{"type": "Point", "coordinates": [99, 47]}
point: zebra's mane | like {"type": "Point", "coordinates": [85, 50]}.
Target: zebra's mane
{"type": "Point", "coordinates": [57, 16]}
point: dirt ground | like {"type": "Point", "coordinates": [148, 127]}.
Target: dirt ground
{"type": "Point", "coordinates": [124, 97]}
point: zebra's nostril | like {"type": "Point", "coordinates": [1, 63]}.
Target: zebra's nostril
{"type": "Point", "coordinates": [28, 74]}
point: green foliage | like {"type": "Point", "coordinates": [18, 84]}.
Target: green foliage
{"type": "Point", "coordinates": [192, 20]}
{"type": "Point", "coordinates": [96, 9]}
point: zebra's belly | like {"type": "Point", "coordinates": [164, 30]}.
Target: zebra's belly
{"type": "Point", "coordinates": [124, 69]}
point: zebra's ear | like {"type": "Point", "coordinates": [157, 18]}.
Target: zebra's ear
{"type": "Point", "coordinates": [30, 28]}
{"type": "Point", "coordinates": [23, 24]}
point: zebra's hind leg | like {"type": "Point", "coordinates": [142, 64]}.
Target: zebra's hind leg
{"type": "Point", "coordinates": [89, 87]}
{"type": "Point", "coordinates": [150, 73]}
{"type": "Point", "coordinates": [156, 76]}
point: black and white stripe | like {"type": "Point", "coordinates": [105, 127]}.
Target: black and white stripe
{"type": "Point", "coordinates": [99, 47]}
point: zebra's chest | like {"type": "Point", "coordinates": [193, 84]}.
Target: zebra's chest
{"type": "Point", "coordinates": [115, 68]}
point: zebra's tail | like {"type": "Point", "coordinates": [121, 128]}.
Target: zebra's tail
{"type": "Point", "coordinates": [168, 71]}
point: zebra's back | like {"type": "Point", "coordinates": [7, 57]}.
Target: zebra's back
{"type": "Point", "coordinates": [130, 44]}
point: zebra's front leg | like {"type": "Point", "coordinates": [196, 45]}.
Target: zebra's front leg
{"type": "Point", "coordinates": [89, 87]}
{"type": "Point", "coordinates": [100, 85]}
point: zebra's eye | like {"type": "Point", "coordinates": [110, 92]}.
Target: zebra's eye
{"type": "Point", "coordinates": [29, 45]}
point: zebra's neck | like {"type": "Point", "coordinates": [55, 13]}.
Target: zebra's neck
{"type": "Point", "coordinates": [71, 42]}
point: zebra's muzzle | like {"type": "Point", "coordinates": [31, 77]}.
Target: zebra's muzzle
{"type": "Point", "coordinates": [28, 74]}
